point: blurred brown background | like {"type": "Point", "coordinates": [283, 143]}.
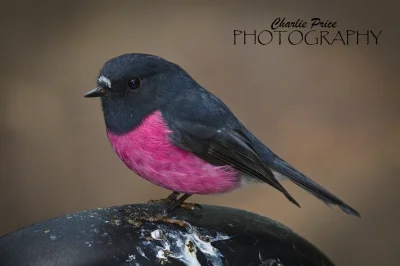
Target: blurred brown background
{"type": "Point", "coordinates": [332, 111]}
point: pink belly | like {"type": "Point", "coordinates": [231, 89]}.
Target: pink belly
{"type": "Point", "coordinates": [148, 152]}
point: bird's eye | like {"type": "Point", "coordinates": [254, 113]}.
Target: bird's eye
{"type": "Point", "coordinates": [134, 83]}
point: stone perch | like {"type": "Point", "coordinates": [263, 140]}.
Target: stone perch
{"type": "Point", "coordinates": [118, 236]}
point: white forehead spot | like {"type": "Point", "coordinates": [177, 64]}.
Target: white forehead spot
{"type": "Point", "coordinates": [105, 80]}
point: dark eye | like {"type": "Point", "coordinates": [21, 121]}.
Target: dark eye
{"type": "Point", "coordinates": [134, 83]}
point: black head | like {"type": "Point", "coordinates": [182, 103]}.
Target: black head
{"type": "Point", "coordinates": [132, 86]}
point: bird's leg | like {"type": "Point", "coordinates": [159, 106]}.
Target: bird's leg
{"type": "Point", "coordinates": [185, 205]}
{"type": "Point", "coordinates": [176, 203]}
{"type": "Point", "coordinates": [171, 198]}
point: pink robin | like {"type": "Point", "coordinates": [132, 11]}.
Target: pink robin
{"type": "Point", "coordinates": [174, 133]}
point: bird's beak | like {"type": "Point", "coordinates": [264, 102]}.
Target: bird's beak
{"type": "Point", "coordinates": [97, 92]}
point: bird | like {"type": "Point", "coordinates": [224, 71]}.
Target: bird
{"type": "Point", "coordinates": [171, 131]}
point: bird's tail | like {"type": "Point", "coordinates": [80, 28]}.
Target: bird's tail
{"type": "Point", "coordinates": [310, 186]}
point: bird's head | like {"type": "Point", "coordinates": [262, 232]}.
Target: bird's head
{"type": "Point", "coordinates": [131, 86]}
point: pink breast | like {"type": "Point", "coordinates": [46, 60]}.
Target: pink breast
{"type": "Point", "coordinates": [148, 152]}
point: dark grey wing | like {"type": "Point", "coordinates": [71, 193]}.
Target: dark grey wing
{"type": "Point", "coordinates": [224, 146]}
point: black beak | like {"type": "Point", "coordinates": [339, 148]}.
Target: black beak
{"type": "Point", "coordinates": [97, 92]}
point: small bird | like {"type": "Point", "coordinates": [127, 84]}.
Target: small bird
{"type": "Point", "coordinates": [171, 131]}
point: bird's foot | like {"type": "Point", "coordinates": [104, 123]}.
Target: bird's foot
{"type": "Point", "coordinates": [161, 201]}
{"type": "Point", "coordinates": [173, 202]}
{"type": "Point", "coordinates": [190, 206]}
{"type": "Point", "coordinates": [171, 198]}
{"type": "Point", "coordinates": [138, 218]}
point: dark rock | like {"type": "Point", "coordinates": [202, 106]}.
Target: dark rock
{"type": "Point", "coordinates": [118, 236]}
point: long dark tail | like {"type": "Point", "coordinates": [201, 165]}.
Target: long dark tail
{"type": "Point", "coordinates": [306, 183]}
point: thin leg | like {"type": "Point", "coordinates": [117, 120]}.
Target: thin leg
{"type": "Point", "coordinates": [174, 196]}
{"type": "Point", "coordinates": [177, 203]}
{"type": "Point", "coordinates": [171, 198]}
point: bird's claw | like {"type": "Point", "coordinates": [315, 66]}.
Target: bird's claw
{"type": "Point", "coordinates": [171, 198]}
{"type": "Point", "coordinates": [191, 206]}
